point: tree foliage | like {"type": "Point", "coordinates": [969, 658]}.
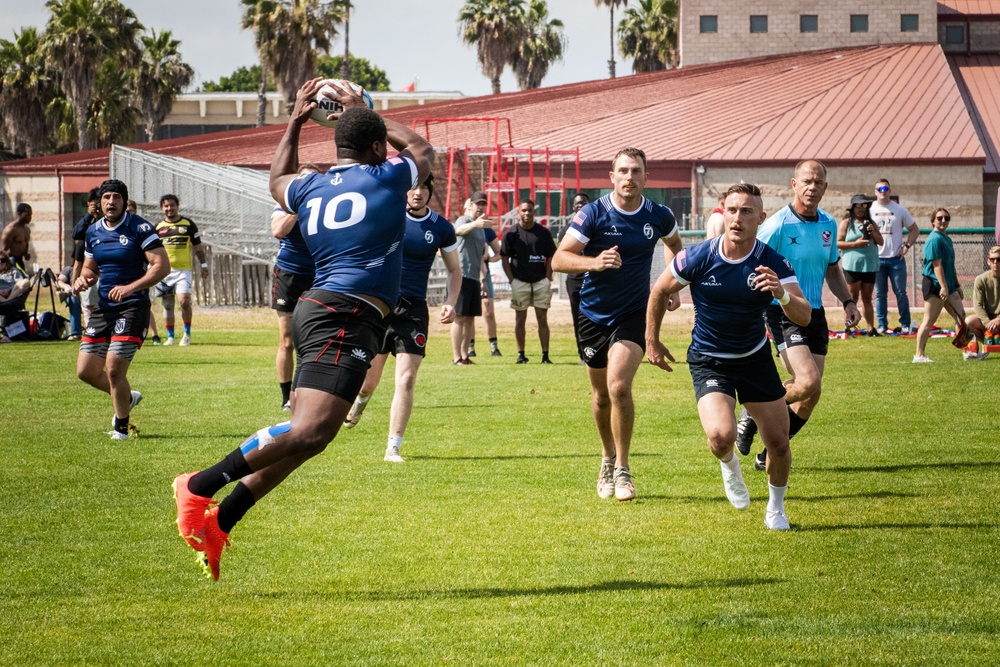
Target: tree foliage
{"type": "Point", "coordinates": [495, 27]}
{"type": "Point", "coordinates": [25, 91]}
{"type": "Point", "coordinates": [242, 80]}
{"type": "Point", "coordinates": [611, 4]}
{"type": "Point", "coordinates": [541, 45]}
{"type": "Point", "coordinates": [648, 34]}
{"type": "Point", "coordinates": [362, 71]}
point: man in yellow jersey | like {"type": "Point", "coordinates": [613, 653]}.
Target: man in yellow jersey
{"type": "Point", "coordinates": [179, 236]}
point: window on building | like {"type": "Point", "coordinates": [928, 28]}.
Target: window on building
{"type": "Point", "coordinates": [909, 23]}
{"type": "Point", "coordinates": [808, 23]}
{"type": "Point", "coordinates": [709, 23]}
{"type": "Point", "coordinates": [859, 22]}
{"type": "Point", "coordinates": [758, 23]}
{"type": "Point", "coordinates": [954, 34]}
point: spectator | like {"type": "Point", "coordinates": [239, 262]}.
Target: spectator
{"type": "Point", "coordinates": [858, 238]}
{"type": "Point", "coordinates": [89, 296]}
{"type": "Point", "coordinates": [492, 254]}
{"type": "Point", "coordinates": [16, 237]}
{"type": "Point", "coordinates": [64, 284]}
{"type": "Point", "coordinates": [891, 219]}
{"type": "Point", "coordinates": [470, 230]}
{"type": "Point", "coordinates": [984, 321]}
{"type": "Point", "coordinates": [715, 224]}
{"type": "Point", "coordinates": [574, 281]}
{"type": "Point", "coordinates": [940, 285]}
{"type": "Point", "coordinates": [527, 251]}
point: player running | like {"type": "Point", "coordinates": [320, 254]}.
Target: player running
{"type": "Point", "coordinates": [611, 241]}
{"type": "Point", "coordinates": [733, 279]}
{"type": "Point", "coordinates": [125, 252]}
{"type": "Point", "coordinates": [180, 237]}
{"type": "Point", "coordinates": [353, 219]}
{"type": "Point", "coordinates": [427, 233]}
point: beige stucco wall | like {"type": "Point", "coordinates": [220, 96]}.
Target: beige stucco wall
{"type": "Point", "coordinates": [734, 40]}
{"type": "Point", "coordinates": [42, 194]}
{"type": "Point", "coordinates": [921, 189]}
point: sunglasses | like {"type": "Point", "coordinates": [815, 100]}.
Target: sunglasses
{"type": "Point", "coordinates": [882, 188]}
{"type": "Point", "coordinates": [993, 260]}
{"type": "Point", "coordinates": [946, 218]}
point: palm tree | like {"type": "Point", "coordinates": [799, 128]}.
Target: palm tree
{"type": "Point", "coordinates": [161, 74]}
{"type": "Point", "coordinates": [112, 118]}
{"type": "Point", "coordinates": [25, 91]}
{"type": "Point", "coordinates": [649, 35]}
{"type": "Point", "coordinates": [496, 28]}
{"type": "Point", "coordinates": [611, 4]}
{"type": "Point", "coordinates": [79, 36]}
{"type": "Point", "coordinates": [287, 35]}
{"type": "Point", "coordinates": [542, 45]}
{"type": "Point", "coordinates": [258, 16]}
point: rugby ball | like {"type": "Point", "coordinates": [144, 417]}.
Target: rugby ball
{"type": "Point", "coordinates": [326, 106]}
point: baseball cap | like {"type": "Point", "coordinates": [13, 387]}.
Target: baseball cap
{"type": "Point", "coordinates": [477, 196]}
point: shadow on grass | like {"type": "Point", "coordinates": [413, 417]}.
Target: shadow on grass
{"type": "Point", "coordinates": [513, 457]}
{"type": "Point", "coordinates": [956, 465]}
{"type": "Point", "coordinates": [191, 362]}
{"type": "Point", "coordinates": [892, 526]}
{"type": "Point", "coordinates": [487, 593]}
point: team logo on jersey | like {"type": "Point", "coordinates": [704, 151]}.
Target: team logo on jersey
{"type": "Point", "coordinates": [752, 281]}
{"type": "Point", "coordinates": [614, 231]}
{"type": "Point", "coordinates": [793, 240]}
{"type": "Point", "coordinates": [711, 282]}
{"type": "Point", "coordinates": [795, 338]}
{"type": "Point", "coordinates": [712, 383]}
{"type": "Point", "coordinates": [647, 230]}
{"type": "Point", "coordinates": [429, 236]}
{"type": "Point", "coordinates": [589, 352]}
{"type": "Point", "coordinates": [123, 240]}
{"type": "Point", "coordinates": [90, 331]}
{"type": "Point", "coordinates": [827, 235]}
{"type": "Point", "coordinates": [120, 325]}
{"type": "Point", "coordinates": [358, 353]}
{"type": "Point", "coordinates": [145, 227]}
{"type": "Point", "coordinates": [337, 179]}
{"type": "Point", "coordinates": [789, 265]}
{"type": "Point", "coordinates": [419, 339]}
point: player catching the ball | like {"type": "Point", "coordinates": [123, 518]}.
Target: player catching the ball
{"type": "Point", "coordinates": [353, 219]}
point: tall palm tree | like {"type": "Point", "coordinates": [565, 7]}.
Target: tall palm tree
{"type": "Point", "coordinates": [258, 16]}
{"type": "Point", "coordinates": [543, 44]}
{"type": "Point", "coordinates": [112, 118]}
{"type": "Point", "coordinates": [611, 4]}
{"type": "Point", "coordinates": [648, 34]}
{"type": "Point", "coordinates": [25, 91]}
{"type": "Point", "coordinates": [287, 35]}
{"type": "Point", "coordinates": [79, 36]}
{"type": "Point", "coordinates": [161, 74]}
{"type": "Point", "coordinates": [496, 28]}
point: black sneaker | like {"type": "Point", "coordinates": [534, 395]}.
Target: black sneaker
{"type": "Point", "coordinates": [472, 352]}
{"type": "Point", "coordinates": [546, 360]}
{"type": "Point", "coordinates": [496, 352]}
{"type": "Point", "coordinates": [746, 429]}
{"type": "Point", "coordinates": [760, 463]}
{"type": "Point", "coordinates": [157, 341]}
{"type": "Point", "coordinates": [521, 359]}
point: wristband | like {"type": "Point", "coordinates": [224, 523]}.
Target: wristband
{"type": "Point", "coordinates": [784, 298]}
{"type": "Point", "coordinates": [850, 301]}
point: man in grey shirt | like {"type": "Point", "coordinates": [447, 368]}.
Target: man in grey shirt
{"type": "Point", "coordinates": [470, 230]}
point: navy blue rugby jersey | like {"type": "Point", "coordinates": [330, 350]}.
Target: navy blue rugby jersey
{"type": "Point", "coordinates": [728, 312]}
{"type": "Point", "coordinates": [293, 253]}
{"type": "Point", "coordinates": [610, 295]}
{"type": "Point", "coordinates": [120, 253]}
{"type": "Point", "coordinates": [352, 219]}
{"type": "Point", "coordinates": [421, 242]}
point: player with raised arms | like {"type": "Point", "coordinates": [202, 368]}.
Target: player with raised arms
{"type": "Point", "coordinates": [353, 218]}
{"type": "Point", "coordinates": [128, 256]}
{"type": "Point", "coordinates": [733, 278]}
{"type": "Point", "coordinates": [611, 241]}
{"type": "Point", "coordinates": [427, 233]}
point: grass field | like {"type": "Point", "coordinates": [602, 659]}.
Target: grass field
{"type": "Point", "coordinates": [490, 546]}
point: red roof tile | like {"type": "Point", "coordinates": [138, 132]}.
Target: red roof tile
{"type": "Point", "coordinates": [979, 79]}
{"type": "Point", "coordinates": [954, 8]}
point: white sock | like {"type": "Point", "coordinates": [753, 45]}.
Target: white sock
{"type": "Point", "coordinates": [608, 459]}
{"type": "Point", "coordinates": [776, 498]}
{"type": "Point", "coordinates": [733, 464]}
{"type": "Point", "coordinates": [395, 441]}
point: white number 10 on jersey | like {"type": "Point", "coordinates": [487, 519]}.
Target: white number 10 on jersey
{"type": "Point", "coordinates": [354, 204]}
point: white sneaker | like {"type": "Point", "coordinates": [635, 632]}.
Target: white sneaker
{"type": "Point", "coordinates": [169, 340]}
{"type": "Point", "coordinates": [776, 520]}
{"type": "Point", "coordinates": [115, 435]}
{"type": "Point", "coordinates": [606, 479]}
{"type": "Point", "coordinates": [392, 455]}
{"type": "Point", "coordinates": [185, 341]}
{"type": "Point", "coordinates": [921, 359]}
{"type": "Point", "coordinates": [624, 488]}
{"type": "Point", "coordinates": [136, 400]}
{"type": "Point", "coordinates": [736, 488]}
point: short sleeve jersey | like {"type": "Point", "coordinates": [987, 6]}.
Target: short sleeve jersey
{"type": "Point", "coordinates": [178, 238]}
{"type": "Point", "coordinates": [607, 297]}
{"type": "Point", "coordinates": [939, 246]}
{"type": "Point", "coordinates": [810, 246]}
{"type": "Point", "coordinates": [728, 312]}
{"type": "Point", "coordinates": [293, 253]}
{"type": "Point", "coordinates": [471, 247]}
{"type": "Point", "coordinates": [120, 253]}
{"type": "Point", "coordinates": [352, 219]}
{"type": "Point", "coordinates": [527, 250]}
{"type": "Point", "coordinates": [424, 237]}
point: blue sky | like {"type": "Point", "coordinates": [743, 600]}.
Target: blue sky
{"type": "Point", "coordinates": [420, 39]}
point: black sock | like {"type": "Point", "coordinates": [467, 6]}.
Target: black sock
{"type": "Point", "coordinates": [795, 423]}
{"type": "Point", "coordinates": [121, 425]}
{"type": "Point", "coordinates": [208, 482]}
{"type": "Point", "coordinates": [234, 506]}
{"type": "Point", "coordinates": [493, 342]}
{"type": "Point", "coordinates": [472, 343]}
{"type": "Point", "coordinates": [545, 354]}
{"type": "Point", "coordinates": [286, 391]}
